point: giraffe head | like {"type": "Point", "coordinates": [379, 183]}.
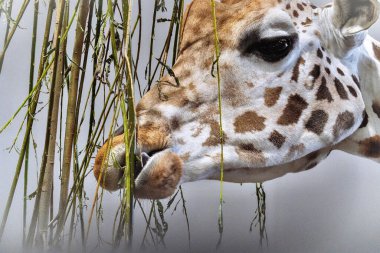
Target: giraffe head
{"type": "Point", "coordinates": [289, 88]}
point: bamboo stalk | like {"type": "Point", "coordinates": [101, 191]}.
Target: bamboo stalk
{"type": "Point", "coordinates": [79, 192]}
{"type": "Point", "coordinates": [177, 39]}
{"type": "Point", "coordinates": [129, 120]}
{"type": "Point", "coordinates": [152, 35]}
{"type": "Point", "coordinates": [31, 80]}
{"type": "Point", "coordinates": [71, 109]}
{"type": "Point", "coordinates": [8, 14]}
{"type": "Point", "coordinates": [48, 177]}
{"type": "Point", "coordinates": [12, 32]}
{"type": "Point", "coordinates": [56, 48]}
{"type": "Point", "coordinates": [110, 11]}
{"type": "Point", "coordinates": [95, 69]}
{"type": "Point", "coordinates": [164, 57]}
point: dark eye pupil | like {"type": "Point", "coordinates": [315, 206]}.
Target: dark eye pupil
{"type": "Point", "coordinates": [273, 50]}
{"type": "Point", "coordinates": [280, 44]}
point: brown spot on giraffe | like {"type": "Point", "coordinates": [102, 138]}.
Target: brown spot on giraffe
{"type": "Point", "coordinates": [319, 53]}
{"type": "Point", "coordinates": [214, 139]}
{"type": "Point", "coordinates": [328, 60]}
{"type": "Point", "coordinates": [328, 71]}
{"type": "Point", "coordinates": [184, 73]}
{"type": "Point", "coordinates": [376, 108]}
{"type": "Point", "coordinates": [307, 22]}
{"type": "Point", "coordinates": [185, 157]}
{"type": "Point", "coordinates": [370, 147]}
{"type": "Point", "coordinates": [248, 122]}
{"type": "Point", "coordinates": [343, 122]}
{"type": "Point", "coordinates": [340, 89]}
{"type": "Point", "coordinates": [323, 92]}
{"type": "Point", "coordinates": [356, 80]}
{"type": "Point", "coordinates": [250, 84]}
{"type": "Point", "coordinates": [248, 153]}
{"type": "Point", "coordinates": [352, 91]}
{"type": "Point", "coordinates": [317, 122]}
{"type": "Point", "coordinates": [277, 139]}
{"type": "Point", "coordinates": [296, 69]}
{"type": "Point", "coordinates": [300, 7]}
{"type": "Point", "coordinates": [293, 110]}
{"type": "Point", "coordinates": [234, 95]}
{"type": "Point", "coordinates": [365, 120]}
{"type": "Point", "coordinates": [340, 72]}
{"type": "Point", "coordinates": [295, 150]}
{"type": "Point", "coordinates": [295, 14]}
{"type": "Point", "coordinates": [175, 123]}
{"type": "Point", "coordinates": [272, 95]}
{"type": "Point", "coordinates": [316, 72]}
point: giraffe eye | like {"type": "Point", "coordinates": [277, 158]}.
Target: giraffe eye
{"type": "Point", "coordinates": [269, 49]}
{"type": "Point", "coordinates": [274, 49]}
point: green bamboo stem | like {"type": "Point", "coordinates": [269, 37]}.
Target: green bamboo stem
{"type": "Point", "coordinates": [152, 36]}
{"type": "Point", "coordinates": [71, 109]}
{"type": "Point", "coordinates": [95, 68]}
{"type": "Point", "coordinates": [217, 54]}
{"type": "Point", "coordinates": [56, 48]}
{"type": "Point", "coordinates": [9, 19]}
{"type": "Point", "coordinates": [76, 173]}
{"type": "Point", "coordinates": [48, 177]}
{"type": "Point", "coordinates": [12, 32]}
{"type": "Point", "coordinates": [164, 57]}
{"type": "Point", "coordinates": [178, 29]}
{"type": "Point", "coordinates": [139, 19]}
{"type": "Point", "coordinates": [129, 120]}
{"type": "Point", "coordinates": [110, 11]}
{"type": "Point", "coordinates": [31, 80]}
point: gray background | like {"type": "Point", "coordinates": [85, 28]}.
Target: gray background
{"type": "Point", "coordinates": [332, 208]}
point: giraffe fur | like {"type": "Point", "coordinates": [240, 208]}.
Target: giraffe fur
{"type": "Point", "coordinates": [282, 112]}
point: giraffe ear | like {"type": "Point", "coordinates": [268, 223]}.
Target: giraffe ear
{"type": "Point", "coordinates": [353, 16]}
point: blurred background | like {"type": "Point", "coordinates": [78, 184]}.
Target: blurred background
{"type": "Point", "coordinates": [334, 207]}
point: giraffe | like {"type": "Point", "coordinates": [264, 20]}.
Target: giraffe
{"type": "Point", "coordinates": [297, 81]}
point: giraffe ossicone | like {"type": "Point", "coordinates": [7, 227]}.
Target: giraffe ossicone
{"type": "Point", "coordinates": [297, 82]}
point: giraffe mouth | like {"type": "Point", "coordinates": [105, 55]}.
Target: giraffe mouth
{"type": "Point", "coordinates": [142, 159]}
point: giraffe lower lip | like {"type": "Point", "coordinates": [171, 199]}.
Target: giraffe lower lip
{"type": "Point", "coordinates": [142, 159]}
